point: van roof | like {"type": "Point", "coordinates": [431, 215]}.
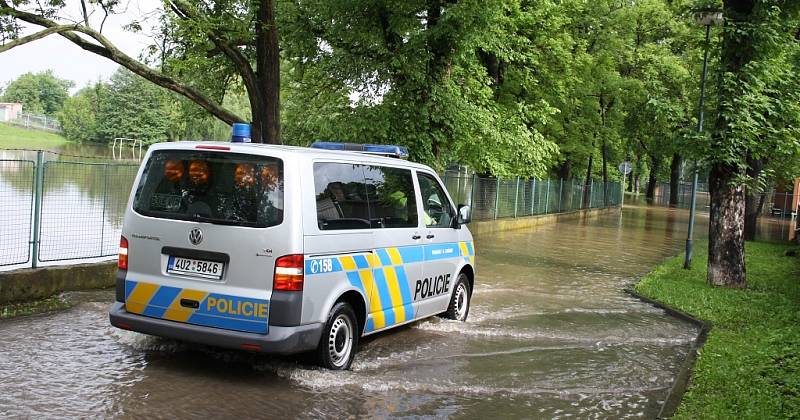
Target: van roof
{"type": "Point", "coordinates": [304, 152]}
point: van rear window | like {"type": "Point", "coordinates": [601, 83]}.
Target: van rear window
{"type": "Point", "coordinates": [204, 186]}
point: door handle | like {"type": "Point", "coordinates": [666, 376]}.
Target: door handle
{"type": "Point", "coordinates": [415, 237]}
{"type": "Point", "coordinates": [430, 236]}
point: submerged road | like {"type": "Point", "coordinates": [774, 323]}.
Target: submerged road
{"type": "Point", "coordinates": [550, 334]}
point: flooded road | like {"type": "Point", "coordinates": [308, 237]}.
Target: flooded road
{"type": "Point", "coordinates": [550, 334]}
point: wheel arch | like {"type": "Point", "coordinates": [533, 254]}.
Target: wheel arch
{"type": "Point", "coordinates": [359, 305]}
{"type": "Point", "coordinates": [470, 273]}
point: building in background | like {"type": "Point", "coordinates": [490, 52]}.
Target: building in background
{"type": "Point", "coordinates": [9, 111]}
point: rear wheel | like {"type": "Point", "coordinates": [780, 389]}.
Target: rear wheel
{"type": "Point", "coordinates": [458, 309]}
{"type": "Point", "coordinates": [339, 340]}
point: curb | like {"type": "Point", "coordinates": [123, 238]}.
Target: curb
{"type": "Point", "coordinates": [678, 388]}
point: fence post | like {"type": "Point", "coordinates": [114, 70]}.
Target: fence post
{"type": "Point", "coordinates": [533, 196]}
{"type": "Point", "coordinates": [561, 196]}
{"type": "Point", "coordinates": [103, 219]}
{"type": "Point", "coordinates": [496, 196]}
{"type": "Point", "coordinates": [547, 196]}
{"type": "Point", "coordinates": [516, 199]}
{"type": "Point", "coordinates": [472, 192]}
{"type": "Point", "coordinates": [37, 207]}
{"type": "Point", "coordinates": [591, 187]}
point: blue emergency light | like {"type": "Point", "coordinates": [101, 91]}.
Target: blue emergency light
{"type": "Point", "coordinates": [374, 149]}
{"type": "Point", "coordinates": [241, 133]}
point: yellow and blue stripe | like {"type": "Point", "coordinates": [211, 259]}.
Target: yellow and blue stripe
{"type": "Point", "coordinates": [381, 277]}
{"type": "Point", "coordinates": [152, 300]}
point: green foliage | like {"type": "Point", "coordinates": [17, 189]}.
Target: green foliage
{"type": "Point", "coordinates": [131, 107]}
{"type": "Point", "coordinates": [749, 367]}
{"type": "Point", "coordinates": [759, 98]}
{"type": "Point", "coordinates": [39, 93]}
{"type": "Point", "coordinates": [79, 116]}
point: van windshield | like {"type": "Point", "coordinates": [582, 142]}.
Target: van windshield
{"type": "Point", "coordinates": [214, 187]}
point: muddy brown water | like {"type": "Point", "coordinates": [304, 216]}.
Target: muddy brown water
{"type": "Point", "coordinates": [550, 334]}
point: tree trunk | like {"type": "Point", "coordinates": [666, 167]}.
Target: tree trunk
{"type": "Point", "coordinates": [753, 206]}
{"type": "Point", "coordinates": [674, 180]}
{"type": "Point", "coordinates": [266, 110]}
{"type": "Point", "coordinates": [588, 184]}
{"type": "Point", "coordinates": [652, 179]}
{"type": "Point", "coordinates": [565, 169]}
{"type": "Point", "coordinates": [629, 187]}
{"type": "Point", "coordinates": [754, 199]}
{"type": "Point", "coordinates": [725, 229]}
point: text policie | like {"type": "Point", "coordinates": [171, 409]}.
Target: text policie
{"type": "Point", "coordinates": [432, 286]}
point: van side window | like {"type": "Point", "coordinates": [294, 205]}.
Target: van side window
{"type": "Point", "coordinates": [437, 210]}
{"type": "Point", "coordinates": [341, 196]}
{"type": "Point", "coordinates": [392, 202]}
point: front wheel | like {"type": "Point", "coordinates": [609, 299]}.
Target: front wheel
{"type": "Point", "coordinates": [458, 309]}
{"type": "Point", "coordinates": [339, 340]}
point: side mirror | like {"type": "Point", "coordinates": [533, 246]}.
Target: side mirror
{"type": "Point", "coordinates": [464, 214]}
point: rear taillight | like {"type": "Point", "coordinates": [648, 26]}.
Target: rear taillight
{"type": "Point", "coordinates": [288, 273]}
{"type": "Point", "coordinates": [122, 263]}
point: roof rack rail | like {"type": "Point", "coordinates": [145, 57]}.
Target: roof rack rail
{"type": "Point", "coordinates": [400, 152]}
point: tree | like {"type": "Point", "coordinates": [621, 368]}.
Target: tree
{"type": "Point", "coordinates": [79, 116]}
{"type": "Point", "coordinates": [207, 34]}
{"type": "Point", "coordinates": [40, 93]}
{"type": "Point", "coordinates": [419, 74]}
{"type": "Point", "coordinates": [754, 120]}
{"type": "Point", "coordinates": [131, 107]}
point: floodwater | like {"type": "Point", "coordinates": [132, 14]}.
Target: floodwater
{"type": "Point", "coordinates": [550, 334]}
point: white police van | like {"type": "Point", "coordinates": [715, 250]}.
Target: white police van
{"type": "Point", "coordinates": [282, 249]}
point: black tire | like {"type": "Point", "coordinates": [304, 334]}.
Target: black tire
{"type": "Point", "coordinates": [341, 327]}
{"type": "Point", "coordinates": [458, 308]}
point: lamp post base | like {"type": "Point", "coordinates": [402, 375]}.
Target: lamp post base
{"type": "Point", "coordinates": [687, 262]}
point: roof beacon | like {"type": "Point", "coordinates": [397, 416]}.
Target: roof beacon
{"type": "Point", "coordinates": [400, 152]}
{"type": "Point", "coordinates": [241, 133]}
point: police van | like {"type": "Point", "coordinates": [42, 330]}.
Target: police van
{"type": "Point", "coordinates": [281, 249]}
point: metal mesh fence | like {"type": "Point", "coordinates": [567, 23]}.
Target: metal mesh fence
{"type": "Point", "coordinates": [492, 198]}
{"type": "Point", "coordinates": [16, 208]}
{"type": "Point", "coordinates": [37, 122]}
{"type": "Point", "coordinates": [82, 209]}
{"type": "Point", "coordinates": [83, 204]}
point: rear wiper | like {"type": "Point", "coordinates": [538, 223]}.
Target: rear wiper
{"type": "Point", "coordinates": [199, 218]}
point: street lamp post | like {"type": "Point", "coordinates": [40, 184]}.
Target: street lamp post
{"type": "Point", "coordinates": [706, 19]}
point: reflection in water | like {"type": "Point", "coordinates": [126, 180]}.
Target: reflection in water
{"type": "Point", "coordinates": [550, 334]}
{"type": "Point", "coordinates": [82, 207]}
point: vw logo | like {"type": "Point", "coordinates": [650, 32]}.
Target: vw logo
{"type": "Point", "coordinates": [196, 236]}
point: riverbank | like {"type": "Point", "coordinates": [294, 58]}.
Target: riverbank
{"type": "Point", "coordinates": [12, 137]}
{"type": "Point", "coordinates": [750, 365]}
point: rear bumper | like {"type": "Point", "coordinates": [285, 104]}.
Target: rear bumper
{"type": "Point", "coordinates": [280, 340]}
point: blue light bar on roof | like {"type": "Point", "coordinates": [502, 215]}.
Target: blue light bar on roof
{"type": "Point", "coordinates": [375, 149]}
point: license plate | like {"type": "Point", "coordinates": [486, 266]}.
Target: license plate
{"type": "Point", "coordinates": [196, 268]}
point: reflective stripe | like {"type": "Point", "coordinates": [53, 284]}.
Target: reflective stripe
{"type": "Point", "coordinates": [375, 300]}
{"type": "Point", "coordinates": [405, 291]}
{"type": "Point", "coordinates": [394, 256]}
{"type": "Point", "coordinates": [381, 277]}
{"type": "Point", "coordinates": [386, 299]}
{"type": "Point", "coordinates": [214, 310]}
{"type": "Point", "coordinates": [140, 296]}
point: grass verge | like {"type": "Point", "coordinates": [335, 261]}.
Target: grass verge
{"type": "Point", "coordinates": [750, 364]}
{"type": "Point", "coordinates": [12, 137]}
{"type": "Point", "coordinates": [53, 303]}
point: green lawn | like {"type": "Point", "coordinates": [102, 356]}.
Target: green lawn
{"type": "Point", "coordinates": [12, 137]}
{"type": "Point", "coordinates": [750, 365]}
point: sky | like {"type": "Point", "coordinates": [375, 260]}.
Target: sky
{"type": "Point", "coordinates": [67, 60]}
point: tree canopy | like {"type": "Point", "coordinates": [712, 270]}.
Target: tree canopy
{"type": "Point", "coordinates": [39, 93]}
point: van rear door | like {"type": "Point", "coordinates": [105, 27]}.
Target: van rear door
{"type": "Point", "coordinates": [206, 229]}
